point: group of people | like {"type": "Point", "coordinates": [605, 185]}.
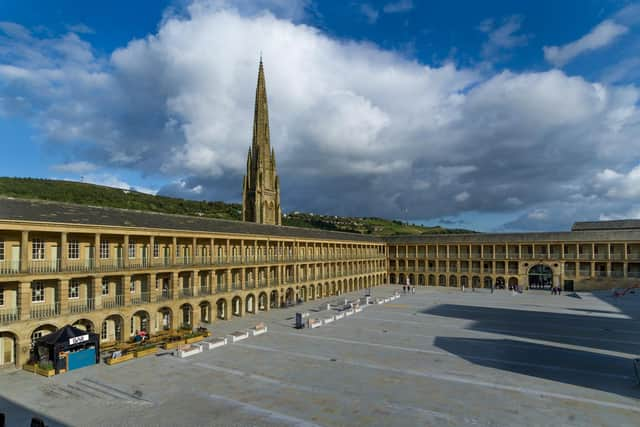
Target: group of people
{"type": "Point", "coordinates": [408, 289]}
{"type": "Point", "coordinates": [140, 336]}
{"type": "Point", "coordinates": [556, 290]}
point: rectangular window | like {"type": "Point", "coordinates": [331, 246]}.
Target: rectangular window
{"type": "Point", "coordinates": [132, 248]}
{"type": "Point", "coordinates": [37, 292]}
{"type": "Point", "coordinates": [177, 250]}
{"type": "Point", "coordinates": [37, 249]}
{"type": "Point", "coordinates": [74, 249]}
{"type": "Point", "coordinates": [1, 250]}
{"type": "Point", "coordinates": [74, 289]}
{"type": "Point", "coordinates": [1, 297]}
{"type": "Point", "coordinates": [105, 286]}
{"type": "Point", "coordinates": [156, 249]}
{"type": "Point", "coordinates": [104, 249]}
{"type": "Point", "coordinates": [132, 286]}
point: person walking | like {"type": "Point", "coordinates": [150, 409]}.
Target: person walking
{"type": "Point", "coordinates": [491, 287]}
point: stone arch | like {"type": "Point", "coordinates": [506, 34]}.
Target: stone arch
{"type": "Point", "coordinates": [312, 292]}
{"type": "Point", "coordinates": [488, 282]}
{"type": "Point", "coordinates": [164, 318]}
{"type": "Point", "coordinates": [112, 328]}
{"type": "Point", "coordinates": [442, 280]}
{"type": "Point", "coordinates": [186, 316]}
{"type": "Point", "coordinates": [513, 283]}
{"type": "Point", "coordinates": [84, 324]}
{"type": "Point", "coordinates": [392, 279]}
{"type": "Point", "coordinates": [401, 279]}
{"type": "Point", "coordinates": [412, 279]}
{"type": "Point", "coordinates": [8, 349]}
{"type": "Point", "coordinates": [319, 290]}
{"type": "Point", "coordinates": [453, 281]}
{"type": "Point", "coordinates": [541, 276]}
{"type": "Point", "coordinates": [263, 301]}
{"type": "Point", "coordinates": [475, 282]}
{"type": "Point", "coordinates": [205, 311]}
{"type": "Point", "coordinates": [250, 304]}
{"type": "Point", "coordinates": [303, 293]}
{"type": "Point", "coordinates": [432, 280]}
{"type": "Point", "coordinates": [464, 281]}
{"type": "Point", "coordinates": [327, 290]}
{"type": "Point", "coordinates": [500, 282]}
{"type": "Point", "coordinates": [222, 309]}
{"type": "Point", "coordinates": [273, 299]}
{"type": "Point", "coordinates": [289, 296]}
{"type": "Point", "coordinates": [140, 320]}
{"type": "Point", "coordinates": [236, 306]}
{"type": "Point", "coordinates": [421, 280]}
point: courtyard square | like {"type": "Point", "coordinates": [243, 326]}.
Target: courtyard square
{"type": "Point", "coordinates": [436, 357]}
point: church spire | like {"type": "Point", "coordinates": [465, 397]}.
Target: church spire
{"type": "Point", "coordinates": [261, 185]}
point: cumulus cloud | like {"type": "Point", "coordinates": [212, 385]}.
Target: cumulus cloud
{"type": "Point", "coordinates": [75, 167]}
{"type": "Point", "coordinates": [357, 130]}
{"type": "Point", "coordinates": [600, 36]}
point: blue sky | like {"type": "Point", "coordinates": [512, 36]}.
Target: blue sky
{"type": "Point", "coordinates": [494, 115]}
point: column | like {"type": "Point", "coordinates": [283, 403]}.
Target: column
{"type": "Point", "coordinates": [195, 285]}
{"type": "Point", "coordinates": [256, 277]}
{"type": "Point", "coordinates": [64, 251]}
{"type": "Point", "coordinates": [152, 245]}
{"type": "Point", "coordinates": [125, 252]}
{"type": "Point", "coordinates": [228, 253]}
{"type": "Point", "coordinates": [174, 250]}
{"type": "Point", "coordinates": [126, 289]}
{"type": "Point", "coordinates": [212, 256]}
{"type": "Point", "coordinates": [227, 279]}
{"type": "Point", "coordinates": [96, 286]}
{"type": "Point", "coordinates": [243, 278]}
{"type": "Point", "coordinates": [174, 285]}
{"type": "Point", "coordinates": [194, 250]}
{"type": "Point", "coordinates": [24, 300]}
{"type": "Point", "coordinates": [63, 296]}
{"type": "Point", "coordinates": [24, 252]}
{"type": "Point", "coordinates": [96, 251]}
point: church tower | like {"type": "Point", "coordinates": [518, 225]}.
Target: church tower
{"type": "Point", "coordinates": [261, 185]}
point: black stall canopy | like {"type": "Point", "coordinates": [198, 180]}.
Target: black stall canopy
{"type": "Point", "coordinates": [80, 348]}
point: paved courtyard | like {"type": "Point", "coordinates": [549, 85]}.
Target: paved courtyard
{"type": "Point", "coordinates": [439, 357]}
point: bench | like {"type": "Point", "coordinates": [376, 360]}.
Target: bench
{"type": "Point", "coordinates": [214, 343]}
{"type": "Point", "coordinates": [315, 323]}
{"type": "Point", "coordinates": [259, 329]}
{"type": "Point", "coordinates": [187, 351]}
{"type": "Point", "coordinates": [328, 320]}
{"type": "Point", "coordinates": [238, 336]}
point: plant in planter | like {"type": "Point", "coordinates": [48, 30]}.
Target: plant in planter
{"type": "Point", "coordinates": [145, 350]}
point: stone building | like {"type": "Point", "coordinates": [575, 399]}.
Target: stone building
{"type": "Point", "coordinates": [261, 184]}
{"type": "Point", "coordinates": [115, 271]}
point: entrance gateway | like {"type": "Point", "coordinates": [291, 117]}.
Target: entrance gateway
{"type": "Point", "coordinates": [540, 277]}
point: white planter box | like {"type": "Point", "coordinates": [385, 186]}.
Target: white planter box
{"type": "Point", "coordinates": [339, 316]}
{"type": "Point", "coordinates": [215, 343]}
{"type": "Point", "coordinates": [189, 352]}
{"type": "Point", "coordinates": [358, 310]}
{"type": "Point", "coordinates": [348, 312]}
{"type": "Point", "coordinates": [315, 323]}
{"type": "Point", "coordinates": [255, 332]}
{"type": "Point", "coordinates": [238, 336]}
{"type": "Point", "coordinates": [328, 320]}
{"type": "Point", "coordinates": [386, 300]}
{"type": "Point", "coordinates": [380, 301]}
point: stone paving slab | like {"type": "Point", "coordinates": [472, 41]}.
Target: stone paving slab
{"type": "Point", "coordinates": [437, 357]}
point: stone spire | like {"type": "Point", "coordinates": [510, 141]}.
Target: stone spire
{"type": "Point", "coordinates": [261, 185]}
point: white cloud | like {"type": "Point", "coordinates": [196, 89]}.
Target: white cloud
{"type": "Point", "coordinates": [462, 197]}
{"type": "Point", "coordinates": [399, 6]}
{"type": "Point", "coordinates": [538, 214]}
{"type": "Point", "coordinates": [502, 37]}
{"type": "Point", "coordinates": [619, 185]}
{"type": "Point", "coordinates": [75, 167]}
{"type": "Point", "coordinates": [600, 36]}
{"type": "Point", "coordinates": [357, 130]}
{"type": "Point", "coordinates": [110, 180]}
{"type": "Point", "coordinates": [369, 12]}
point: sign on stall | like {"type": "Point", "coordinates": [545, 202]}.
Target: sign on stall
{"type": "Point", "coordinates": [78, 340]}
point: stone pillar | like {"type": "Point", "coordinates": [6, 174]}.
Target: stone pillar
{"type": "Point", "coordinates": [24, 300]}
{"type": "Point", "coordinates": [96, 251]}
{"type": "Point", "coordinates": [64, 251]}
{"type": "Point", "coordinates": [125, 251]}
{"type": "Point", "coordinates": [194, 250]}
{"type": "Point", "coordinates": [227, 280]}
{"type": "Point", "coordinates": [126, 291]}
{"type": "Point", "coordinates": [151, 253]}
{"type": "Point", "coordinates": [63, 296]}
{"type": "Point", "coordinates": [174, 285]}
{"type": "Point", "coordinates": [195, 285]}
{"type": "Point", "coordinates": [24, 252]}
{"type": "Point", "coordinates": [174, 250]}
{"type": "Point", "coordinates": [243, 278]}
{"type": "Point", "coordinates": [96, 285]}
{"type": "Point", "coordinates": [228, 252]}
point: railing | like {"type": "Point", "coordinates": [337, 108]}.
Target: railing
{"type": "Point", "coordinates": [44, 266]}
{"type": "Point", "coordinates": [617, 273]}
{"type": "Point", "coordinates": [585, 273]}
{"type": "Point", "coordinates": [249, 284]}
{"type": "Point", "coordinates": [10, 267]}
{"type": "Point", "coordinates": [262, 283]}
{"type": "Point", "coordinates": [81, 306]}
{"type": "Point", "coordinates": [205, 290]}
{"type": "Point", "coordinates": [570, 273]}
{"type": "Point", "coordinates": [43, 311]}
{"type": "Point", "coordinates": [513, 271]}
{"type": "Point", "coordinates": [138, 263]}
{"type": "Point", "coordinates": [617, 256]}
{"type": "Point", "coordinates": [600, 273]}
{"type": "Point", "coordinates": [236, 286]}
{"type": "Point", "coordinates": [8, 315]}
{"type": "Point", "coordinates": [110, 264]}
{"type": "Point", "coordinates": [111, 302]}
{"type": "Point", "coordinates": [141, 298]}
{"type": "Point", "coordinates": [165, 295]}
{"type": "Point", "coordinates": [222, 287]}
{"type": "Point", "coordinates": [633, 274]}
{"type": "Point", "coordinates": [186, 292]}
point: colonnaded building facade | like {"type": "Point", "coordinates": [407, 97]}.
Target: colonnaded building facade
{"type": "Point", "coordinates": [116, 271]}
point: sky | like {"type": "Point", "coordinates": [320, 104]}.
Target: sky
{"type": "Point", "coordinates": [493, 116]}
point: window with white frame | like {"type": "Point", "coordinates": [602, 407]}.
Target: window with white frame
{"type": "Point", "coordinates": [103, 331]}
{"type": "Point", "coordinates": [105, 286]}
{"type": "Point", "coordinates": [132, 248]}
{"type": "Point", "coordinates": [132, 286]}
{"type": "Point", "coordinates": [104, 249]}
{"type": "Point", "coordinates": [1, 250]}
{"type": "Point", "coordinates": [37, 249]}
{"type": "Point", "coordinates": [74, 249]}
{"type": "Point", "coordinates": [74, 289]}
{"type": "Point", "coordinates": [177, 250]}
{"type": "Point", "coordinates": [37, 292]}
{"type": "Point", "coordinates": [156, 249]}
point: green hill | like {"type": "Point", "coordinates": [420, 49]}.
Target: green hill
{"type": "Point", "coordinates": [97, 195]}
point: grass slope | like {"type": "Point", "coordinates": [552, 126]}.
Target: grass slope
{"type": "Point", "coordinates": [97, 195]}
